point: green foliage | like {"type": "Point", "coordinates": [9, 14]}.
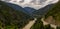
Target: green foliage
{"type": "Point", "coordinates": [54, 11]}
{"type": "Point", "coordinates": [11, 27]}
{"type": "Point", "coordinates": [38, 24]}
{"type": "Point", "coordinates": [58, 27]}
{"type": "Point", "coordinates": [10, 18]}
{"type": "Point", "coordinates": [48, 27]}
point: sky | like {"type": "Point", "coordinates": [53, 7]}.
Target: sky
{"type": "Point", "coordinates": [36, 4]}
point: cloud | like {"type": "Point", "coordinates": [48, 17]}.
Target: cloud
{"type": "Point", "coordinates": [36, 4]}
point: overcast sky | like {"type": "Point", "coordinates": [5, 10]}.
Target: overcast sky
{"type": "Point", "coordinates": [37, 4]}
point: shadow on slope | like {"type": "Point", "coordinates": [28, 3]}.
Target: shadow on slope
{"type": "Point", "coordinates": [42, 11]}
{"type": "Point", "coordinates": [11, 17]}
{"type": "Point", "coordinates": [30, 10]}
{"type": "Point", "coordinates": [26, 10]}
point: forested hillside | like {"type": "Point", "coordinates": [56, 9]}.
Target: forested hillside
{"type": "Point", "coordinates": [55, 10]}
{"type": "Point", "coordinates": [39, 25]}
{"type": "Point", "coordinates": [12, 19]}
{"type": "Point", "coordinates": [55, 13]}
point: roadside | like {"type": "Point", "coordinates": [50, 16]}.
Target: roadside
{"type": "Point", "coordinates": [46, 23]}
{"type": "Point", "coordinates": [28, 26]}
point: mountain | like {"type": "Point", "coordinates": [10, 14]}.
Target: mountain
{"type": "Point", "coordinates": [12, 18]}
{"type": "Point", "coordinates": [53, 15]}
{"type": "Point", "coordinates": [35, 9]}
{"type": "Point", "coordinates": [42, 11]}
{"type": "Point", "coordinates": [36, 4]}
{"type": "Point", "coordinates": [16, 7]}
{"type": "Point", "coordinates": [54, 10]}
{"type": "Point", "coordinates": [31, 11]}
{"type": "Point", "coordinates": [27, 10]}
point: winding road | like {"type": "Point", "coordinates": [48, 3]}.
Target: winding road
{"type": "Point", "coordinates": [28, 26]}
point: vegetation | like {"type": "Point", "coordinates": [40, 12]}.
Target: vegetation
{"type": "Point", "coordinates": [12, 19]}
{"type": "Point", "coordinates": [54, 11]}
{"type": "Point", "coordinates": [39, 25]}
{"type": "Point", "coordinates": [58, 27]}
{"type": "Point", "coordinates": [48, 27]}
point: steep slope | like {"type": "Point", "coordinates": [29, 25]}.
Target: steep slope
{"type": "Point", "coordinates": [12, 18]}
{"type": "Point", "coordinates": [27, 10]}
{"type": "Point", "coordinates": [54, 12]}
{"type": "Point", "coordinates": [42, 11]}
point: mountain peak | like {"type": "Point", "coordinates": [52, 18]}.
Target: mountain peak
{"type": "Point", "coordinates": [36, 4]}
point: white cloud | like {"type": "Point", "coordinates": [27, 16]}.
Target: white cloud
{"type": "Point", "coordinates": [37, 4]}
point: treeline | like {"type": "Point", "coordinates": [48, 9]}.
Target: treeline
{"type": "Point", "coordinates": [39, 25]}
{"type": "Point", "coordinates": [12, 19]}
{"type": "Point", "coordinates": [54, 11]}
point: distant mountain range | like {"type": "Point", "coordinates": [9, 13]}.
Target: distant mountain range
{"type": "Point", "coordinates": [12, 17]}
{"type": "Point", "coordinates": [15, 4]}
{"type": "Point", "coordinates": [36, 4]}
{"type": "Point", "coordinates": [26, 10]}
{"type": "Point", "coordinates": [43, 10]}
{"type": "Point", "coordinates": [31, 11]}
